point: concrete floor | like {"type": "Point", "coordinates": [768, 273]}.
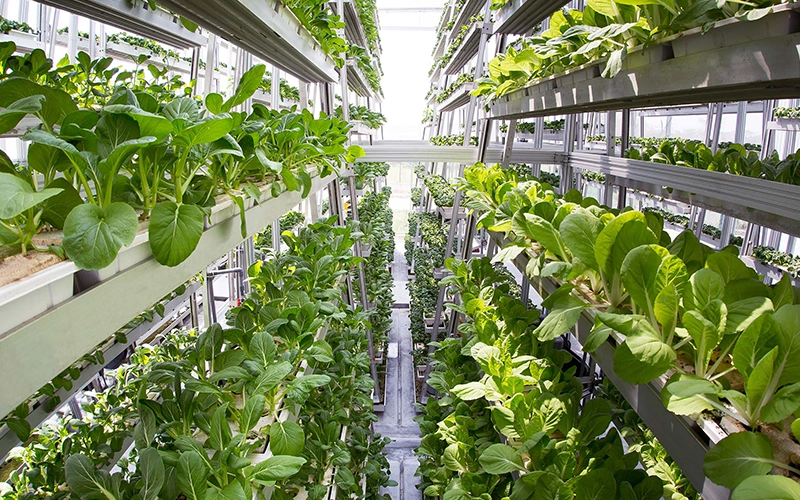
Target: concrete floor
{"type": "Point", "coordinates": [397, 422]}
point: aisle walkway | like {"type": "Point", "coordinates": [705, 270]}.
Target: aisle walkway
{"type": "Point", "coordinates": [397, 422]}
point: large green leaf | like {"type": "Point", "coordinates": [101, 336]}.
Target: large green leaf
{"type": "Point", "coordinates": [643, 356]}
{"type": "Point", "coordinates": [82, 479]}
{"type": "Point", "coordinates": [204, 132]}
{"type": "Point", "coordinates": [151, 468]}
{"type": "Point", "coordinates": [150, 124]}
{"type": "Point", "coordinates": [737, 457]}
{"type": "Point", "coordinates": [286, 438]}
{"type": "Point", "coordinates": [619, 237]}
{"type": "Point", "coordinates": [454, 458]}
{"type": "Point", "coordinates": [271, 377]}
{"type": "Point", "coordinates": [93, 236]}
{"type": "Point", "coordinates": [13, 114]}
{"type": "Point", "coordinates": [767, 488]}
{"type": "Point", "coordinates": [56, 105]}
{"type": "Point", "coordinates": [580, 230]}
{"type": "Point", "coordinates": [705, 334]}
{"type": "Point", "coordinates": [500, 459]}
{"type": "Point", "coordinates": [595, 419]}
{"type": "Point", "coordinates": [220, 434]}
{"type": "Point", "coordinates": [275, 468]}
{"type": "Point", "coordinates": [251, 413]}
{"type": "Point", "coordinates": [17, 196]}
{"type": "Point", "coordinates": [175, 230]}
{"type": "Point", "coordinates": [233, 491]}
{"type": "Point", "coordinates": [192, 475]}
{"type": "Point", "coordinates": [598, 484]}
{"type": "Point", "coordinates": [248, 84]}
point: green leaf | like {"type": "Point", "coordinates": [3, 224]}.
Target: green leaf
{"type": "Point", "coordinates": [500, 459]}
{"type": "Point", "coordinates": [214, 103]}
{"type": "Point", "coordinates": [56, 105]}
{"type": "Point", "coordinates": [619, 237]}
{"type": "Point", "coordinates": [580, 230]}
{"type": "Point", "coordinates": [204, 132]}
{"type": "Point", "coordinates": [174, 231]}
{"type": "Point", "coordinates": [272, 376]}
{"type": "Point", "coordinates": [598, 484]}
{"type": "Point", "coordinates": [233, 491]}
{"type": "Point", "coordinates": [248, 84]}
{"type": "Point", "coordinates": [737, 457]}
{"type": "Point", "coordinates": [17, 196]}
{"type": "Point", "coordinates": [454, 458]}
{"type": "Point", "coordinates": [705, 334]}
{"type": "Point", "coordinates": [286, 438]}
{"type": "Point", "coordinates": [262, 348]}
{"type": "Point", "coordinates": [643, 356]}
{"type": "Point", "coordinates": [20, 427]}
{"type": "Point", "coordinates": [782, 404]}
{"type": "Point", "coordinates": [706, 286]}
{"type": "Point", "coordinates": [275, 468]}
{"type": "Point", "coordinates": [151, 468]}
{"type": "Point", "coordinates": [93, 236]}
{"type": "Point", "coordinates": [150, 124]}
{"type": "Point", "coordinates": [251, 413]}
{"type": "Point", "coordinates": [13, 114]}
{"type": "Point", "coordinates": [321, 352]}
{"type": "Point", "coordinates": [82, 479]}
{"type": "Point", "coordinates": [220, 434]}
{"type": "Point", "coordinates": [767, 488]}
{"type": "Point", "coordinates": [192, 475]}
{"type": "Point", "coordinates": [469, 391]}
{"type": "Point", "coordinates": [595, 419]}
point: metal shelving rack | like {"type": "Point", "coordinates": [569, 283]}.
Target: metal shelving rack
{"type": "Point", "coordinates": [265, 28]}
{"type": "Point", "coordinates": [733, 62]}
{"type": "Point", "coordinates": [59, 324]}
{"type": "Point", "coordinates": [158, 24]}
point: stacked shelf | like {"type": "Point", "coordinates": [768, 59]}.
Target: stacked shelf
{"type": "Point", "coordinates": [157, 24]}
{"type": "Point", "coordinates": [267, 29]}
{"type": "Point", "coordinates": [686, 442]}
{"type": "Point", "coordinates": [41, 336]}
{"type": "Point", "coordinates": [356, 79]}
{"type": "Point", "coordinates": [467, 50]}
{"type": "Point", "coordinates": [354, 31]}
{"type": "Point", "coordinates": [772, 204]}
{"type": "Point", "coordinates": [521, 16]}
{"type": "Point", "coordinates": [737, 60]}
{"type": "Point", "coordinates": [469, 9]}
{"type": "Point", "coordinates": [459, 98]}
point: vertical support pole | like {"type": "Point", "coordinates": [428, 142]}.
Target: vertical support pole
{"type": "Point", "coordinates": [509, 145]}
{"type": "Point", "coordinates": [72, 38]}
{"type": "Point", "coordinates": [276, 88]}
{"type": "Point", "coordinates": [768, 136]}
{"type": "Point", "coordinates": [52, 31]}
{"type": "Point", "coordinates": [211, 63]}
{"type": "Point", "coordinates": [741, 122]}
{"type": "Point", "coordinates": [719, 108]}
{"type": "Point", "coordinates": [23, 11]}
{"type": "Point", "coordinates": [194, 311]}
{"type": "Point", "coordinates": [195, 69]}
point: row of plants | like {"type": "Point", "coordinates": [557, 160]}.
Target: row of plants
{"type": "Point", "coordinates": [681, 313]}
{"type": "Point", "coordinates": [772, 257]}
{"type": "Point", "coordinates": [289, 221]}
{"type": "Point", "coordinates": [9, 25]}
{"type": "Point", "coordinates": [416, 196]}
{"type": "Point", "coordinates": [287, 91]}
{"type": "Point", "coordinates": [734, 159]}
{"type": "Point", "coordinates": [530, 127]}
{"type": "Point", "coordinates": [683, 221]}
{"type": "Point", "coordinates": [788, 113]}
{"type": "Point", "coordinates": [371, 68]}
{"type": "Point", "coordinates": [440, 189]}
{"type": "Point", "coordinates": [365, 172]}
{"type": "Point", "coordinates": [451, 89]}
{"type": "Point", "coordinates": [204, 410]}
{"type": "Point", "coordinates": [427, 116]}
{"type": "Point", "coordinates": [445, 58]}
{"type": "Point", "coordinates": [452, 140]}
{"type": "Point", "coordinates": [368, 14]}
{"type": "Point", "coordinates": [377, 224]}
{"type": "Point", "coordinates": [137, 151]}
{"type": "Point", "coordinates": [656, 142]}
{"type": "Point", "coordinates": [508, 421]}
{"type": "Point", "coordinates": [605, 32]}
{"type": "Point", "coordinates": [373, 119]}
